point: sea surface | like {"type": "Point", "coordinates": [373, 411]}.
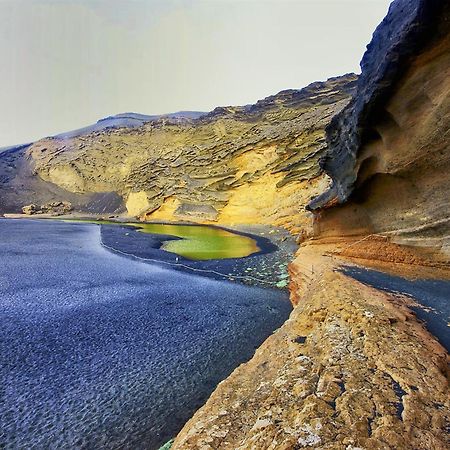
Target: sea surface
{"type": "Point", "coordinates": [431, 297]}
{"type": "Point", "coordinates": [101, 351]}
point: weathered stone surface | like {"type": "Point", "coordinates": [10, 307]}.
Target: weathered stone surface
{"type": "Point", "coordinates": [20, 185]}
{"type": "Point", "coordinates": [29, 209]}
{"type": "Point", "coordinates": [351, 368]}
{"type": "Point", "coordinates": [196, 210]}
{"type": "Point", "coordinates": [250, 164]}
{"type": "Point", "coordinates": [399, 38]}
{"type": "Point", "coordinates": [54, 208]}
{"type": "Point", "coordinates": [137, 203]}
{"type": "Point", "coordinates": [388, 151]}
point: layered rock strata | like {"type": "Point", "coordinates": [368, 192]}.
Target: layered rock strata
{"type": "Point", "coordinates": [353, 368]}
{"type": "Point", "coordinates": [251, 164]}
{"type": "Point", "coordinates": [388, 152]}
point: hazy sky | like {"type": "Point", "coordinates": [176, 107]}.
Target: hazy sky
{"type": "Point", "coordinates": [67, 63]}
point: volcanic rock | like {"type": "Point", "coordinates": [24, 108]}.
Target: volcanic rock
{"type": "Point", "coordinates": [353, 368]}
{"type": "Point", "coordinates": [246, 164]}
{"type": "Point", "coordinates": [388, 154]}
{"type": "Point", "coordinates": [53, 208]}
{"type": "Point", "coordinates": [30, 209]}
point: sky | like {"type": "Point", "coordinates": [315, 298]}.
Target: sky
{"type": "Point", "coordinates": [67, 63]}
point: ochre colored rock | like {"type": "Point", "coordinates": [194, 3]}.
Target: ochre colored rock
{"type": "Point", "coordinates": [54, 208]}
{"type": "Point", "coordinates": [351, 368]}
{"type": "Point", "coordinates": [137, 203]}
{"type": "Point", "coordinates": [29, 209]}
{"type": "Point", "coordinates": [251, 164]}
{"type": "Point", "coordinates": [388, 154]}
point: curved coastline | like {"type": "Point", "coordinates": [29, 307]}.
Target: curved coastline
{"type": "Point", "coordinates": [127, 349]}
{"type": "Point", "coordinates": [266, 267]}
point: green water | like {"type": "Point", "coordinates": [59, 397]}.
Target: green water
{"type": "Point", "coordinates": [198, 242]}
{"type": "Point", "coordinates": [202, 242]}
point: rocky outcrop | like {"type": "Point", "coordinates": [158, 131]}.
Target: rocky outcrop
{"type": "Point", "coordinates": [353, 368]}
{"type": "Point", "coordinates": [388, 154]}
{"type": "Point", "coordinates": [53, 208]}
{"type": "Point", "coordinates": [326, 379]}
{"type": "Point", "coordinates": [395, 42]}
{"type": "Point", "coordinates": [249, 164]}
{"type": "Point", "coordinates": [19, 186]}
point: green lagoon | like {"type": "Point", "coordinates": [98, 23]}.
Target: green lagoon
{"type": "Point", "coordinates": [197, 242]}
{"type": "Point", "coordinates": [201, 242]}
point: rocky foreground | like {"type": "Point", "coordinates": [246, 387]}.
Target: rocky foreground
{"type": "Point", "coordinates": [352, 368]}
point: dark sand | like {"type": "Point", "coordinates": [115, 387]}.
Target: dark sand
{"type": "Point", "coordinates": [104, 351]}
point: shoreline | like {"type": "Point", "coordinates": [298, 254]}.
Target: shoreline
{"type": "Point", "coordinates": [156, 340]}
{"type": "Point", "coordinates": [266, 268]}
{"type": "Point", "coordinates": [329, 367]}
{"type": "Point", "coordinates": [320, 275]}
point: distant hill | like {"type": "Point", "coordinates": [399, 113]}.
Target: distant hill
{"type": "Point", "coordinates": [126, 120]}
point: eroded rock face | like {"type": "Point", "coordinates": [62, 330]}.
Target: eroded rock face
{"type": "Point", "coordinates": [353, 368]}
{"type": "Point", "coordinates": [20, 185]}
{"type": "Point", "coordinates": [396, 41]}
{"type": "Point", "coordinates": [250, 164]}
{"type": "Point", "coordinates": [53, 208]}
{"type": "Point", "coordinates": [326, 379]}
{"type": "Point", "coordinates": [388, 152]}
{"type": "Point", "coordinates": [137, 203]}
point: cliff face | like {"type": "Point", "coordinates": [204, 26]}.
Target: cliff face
{"type": "Point", "coordinates": [388, 149]}
{"type": "Point", "coordinates": [353, 368]}
{"type": "Point", "coordinates": [251, 164]}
